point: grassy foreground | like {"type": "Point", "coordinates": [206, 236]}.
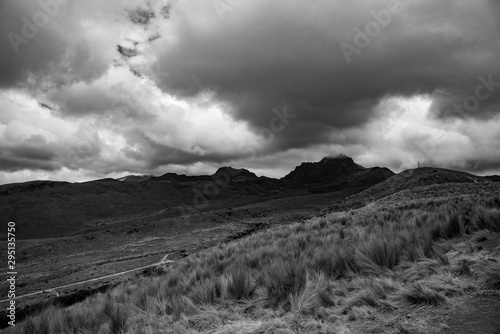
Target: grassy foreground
{"type": "Point", "coordinates": [321, 276]}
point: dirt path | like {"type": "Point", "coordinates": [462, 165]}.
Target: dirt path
{"type": "Point", "coordinates": [54, 289]}
{"type": "Point", "coordinates": [478, 315]}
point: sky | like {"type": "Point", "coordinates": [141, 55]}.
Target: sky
{"type": "Point", "coordinates": [93, 89]}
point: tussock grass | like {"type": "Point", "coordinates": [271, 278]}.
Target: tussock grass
{"type": "Point", "coordinates": [378, 253]}
{"type": "Point", "coordinates": [311, 297]}
{"type": "Point", "coordinates": [117, 314]}
{"type": "Point", "coordinates": [417, 294]}
{"type": "Point", "coordinates": [206, 292]}
{"type": "Point", "coordinates": [282, 280]}
{"type": "Point", "coordinates": [335, 264]}
{"type": "Point", "coordinates": [240, 283]}
{"type": "Point", "coordinates": [342, 266]}
{"type": "Point", "coordinates": [487, 219]}
{"type": "Point", "coordinates": [491, 277]}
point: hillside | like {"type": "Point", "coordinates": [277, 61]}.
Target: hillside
{"type": "Point", "coordinates": [338, 172]}
{"type": "Point", "coordinates": [407, 181]}
{"type": "Point", "coordinates": [494, 178]}
{"type": "Point", "coordinates": [45, 209]}
{"type": "Point", "coordinates": [423, 266]}
{"type": "Point", "coordinates": [50, 209]}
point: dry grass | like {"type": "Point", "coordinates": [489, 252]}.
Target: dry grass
{"type": "Point", "coordinates": [347, 266]}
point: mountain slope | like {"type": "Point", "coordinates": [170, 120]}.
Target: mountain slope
{"type": "Point", "coordinates": [336, 173]}
{"type": "Point", "coordinates": [43, 209]}
{"type": "Point", "coordinates": [135, 178]}
{"type": "Point", "coordinates": [326, 170]}
{"type": "Point", "coordinates": [494, 178]}
{"type": "Point", "coordinates": [408, 180]}
{"type": "Point", "coordinates": [50, 209]}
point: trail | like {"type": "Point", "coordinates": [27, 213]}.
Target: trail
{"type": "Point", "coordinates": [54, 289]}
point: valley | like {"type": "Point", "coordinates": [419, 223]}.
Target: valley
{"type": "Point", "coordinates": [87, 258]}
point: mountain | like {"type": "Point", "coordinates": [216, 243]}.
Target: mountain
{"type": "Point", "coordinates": [338, 172]}
{"type": "Point", "coordinates": [425, 176]}
{"type": "Point", "coordinates": [173, 177]}
{"type": "Point", "coordinates": [408, 180]}
{"type": "Point", "coordinates": [494, 178]}
{"type": "Point", "coordinates": [328, 169]}
{"type": "Point", "coordinates": [49, 209]}
{"type": "Point", "coordinates": [135, 178]}
{"type": "Point", "coordinates": [223, 174]}
{"type": "Point", "coordinates": [44, 209]}
{"type": "Point", "coordinates": [235, 175]}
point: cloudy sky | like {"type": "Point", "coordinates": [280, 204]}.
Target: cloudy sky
{"type": "Point", "coordinates": [92, 89]}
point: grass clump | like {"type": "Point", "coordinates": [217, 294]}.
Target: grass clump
{"type": "Point", "coordinates": [491, 277]}
{"type": "Point", "coordinates": [335, 264]}
{"type": "Point", "coordinates": [311, 297]}
{"type": "Point", "coordinates": [240, 284]}
{"type": "Point", "coordinates": [417, 294]}
{"type": "Point", "coordinates": [282, 280]}
{"type": "Point", "coordinates": [118, 316]}
{"type": "Point", "coordinates": [345, 265]}
{"type": "Point", "coordinates": [376, 253]}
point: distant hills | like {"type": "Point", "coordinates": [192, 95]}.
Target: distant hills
{"type": "Point", "coordinates": [336, 173]}
{"type": "Point", "coordinates": [494, 178]}
{"type": "Point", "coordinates": [420, 177]}
{"type": "Point", "coordinates": [44, 209]}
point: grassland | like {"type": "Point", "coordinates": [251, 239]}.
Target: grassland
{"type": "Point", "coordinates": [388, 267]}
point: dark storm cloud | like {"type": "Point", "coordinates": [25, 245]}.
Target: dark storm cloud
{"type": "Point", "coordinates": [479, 166]}
{"type": "Point", "coordinates": [48, 42]}
{"type": "Point", "coordinates": [260, 83]}
{"type": "Point", "coordinates": [264, 55]}
{"type": "Point", "coordinates": [114, 102]}
{"type": "Point", "coordinates": [29, 154]}
{"type": "Point", "coordinates": [155, 154]}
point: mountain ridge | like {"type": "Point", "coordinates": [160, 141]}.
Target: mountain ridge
{"type": "Point", "coordinates": [49, 209]}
